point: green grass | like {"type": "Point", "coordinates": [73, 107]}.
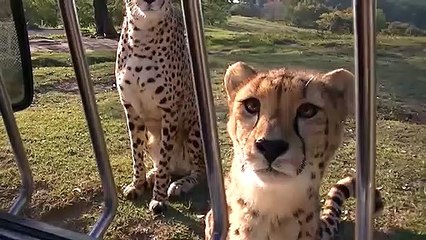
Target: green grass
{"type": "Point", "coordinates": [55, 134]}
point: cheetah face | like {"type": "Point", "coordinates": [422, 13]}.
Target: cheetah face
{"type": "Point", "coordinates": [150, 5]}
{"type": "Point", "coordinates": [146, 11]}
{"type": "Point", "coordinates": [282, 122]}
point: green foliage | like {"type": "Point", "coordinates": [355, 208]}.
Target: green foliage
{"type": "Point", "coordinates": [41, 12]}
{"type": "Point", "coordinates": [116, 10]}
{"type": "Point", "coordinates": [305, 13]}
{"type": "Point", "coordinates": [380, 20]}
{"type": "Point", "coordinates": [410, 11]}
{"type": "Point", "coordinates": [215, 12]}
{"type": "Point", "coordinates": [341, 21]}
{"type": "Point", "coordinates": [46, 12]}
{"type": "Point", "coordinates": [245, 9]}
{"type": "Point", "coordinates": [85, 12]}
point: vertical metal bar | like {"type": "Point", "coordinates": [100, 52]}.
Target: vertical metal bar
{"type": "Point", "coordinates": [365, 92]}
{"type": "Point", "coordinates": [72, 29]}
{"type": "Point", "coordinates": [27, 188]}
{"type": "Point", "coordinates": [195, 32]}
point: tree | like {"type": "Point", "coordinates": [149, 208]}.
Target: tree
{"type": "Point", "coordinates": [103, 21]}
{"type": "Point", "coordinates": [215, 11]}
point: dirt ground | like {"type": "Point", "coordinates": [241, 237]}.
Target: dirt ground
{"type": "Point", "coordinates": [41, 42]}
{"type": "Point", "coordinates": [61, 45]}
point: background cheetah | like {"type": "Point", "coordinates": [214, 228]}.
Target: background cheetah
{"type": "Point", "coordinates": [154, 81]}
{"type": "Point", "coordinates": [285, 126]}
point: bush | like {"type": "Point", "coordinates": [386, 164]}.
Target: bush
{"type": "Point", "coordinates": [304, 14]}
{"type": "Point", "coordinates": [337, 21]}
{"type": "Point", "coordinates": [215, 12]}
{"type": "Point", "coordinates": [341, 21]}
{"type": "Point", "coordinates": [245, 9]}
{"type": "Point", "coordinates": [404, 29]}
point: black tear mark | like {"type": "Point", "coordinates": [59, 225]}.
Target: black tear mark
{"type": "Point", "coordinates": [296, 129]}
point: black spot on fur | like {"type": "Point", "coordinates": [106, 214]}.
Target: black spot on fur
{"type": "Point", "coordinates": [159, 90]}
{"type": "Point", "coordinates": [343, 189]}
{"type": "Point", "coordinates": [309, 217]}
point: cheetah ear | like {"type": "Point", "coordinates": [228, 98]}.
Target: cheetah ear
{"type": "Point", "coordinates": [235, 74]}
{"type": "Point", "coordinates": [342, 83]}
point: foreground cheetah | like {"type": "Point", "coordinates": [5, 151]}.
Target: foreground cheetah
{"type": "Point", "coordinates": [155, 85]}
{"type": "Point", "coordinates": [285, 127]}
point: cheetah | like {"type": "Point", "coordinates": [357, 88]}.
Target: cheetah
{"type": "Point", "coordinates": [285, 126]}
{"type": "Point", "coordinates": [156, 90]}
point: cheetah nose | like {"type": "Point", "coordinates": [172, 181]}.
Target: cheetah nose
{"type": "Point", "coordinates": [271, 149]}
{"type": "Point", "coordinates": [149, 1]}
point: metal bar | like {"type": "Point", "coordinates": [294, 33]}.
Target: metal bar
{"type": "Point", "coordinates": [27, 188]}
{"type": "Point", "coordinates": [365, 92]}
{"type": "Point", "coordinates": [22, 228]}
{"type": "Point", "coordinates": [202, 83]}
{"type": "Point", "coordinates": [72, 29]}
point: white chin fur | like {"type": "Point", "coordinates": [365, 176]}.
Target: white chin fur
{"type": "Point", "coordinates": [277, 195]}
{"type": "Point", "coordinates": [286, 168]}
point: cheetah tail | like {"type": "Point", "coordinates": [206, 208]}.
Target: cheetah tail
{"type": "Point", "coordinates": [331, 211]}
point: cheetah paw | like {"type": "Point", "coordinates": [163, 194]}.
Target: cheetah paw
{"type": "Point", "coordinates": [131, 192]}
{"type": "Point", "coordinates": [174, 189]}
{"type": "Point", "coordinates": [157, 207]}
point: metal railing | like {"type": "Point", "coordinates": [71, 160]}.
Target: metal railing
{"type": "Point", "coordinates": [365, 93]}
{"type": "Point", "coordinates": [194, 25]}
{"type": "Point", "coordinates": [21, 159]}
{"type": "Point", "coordinates": [364, 25]}
{"type": "Point", "coordinates": [81, 68]}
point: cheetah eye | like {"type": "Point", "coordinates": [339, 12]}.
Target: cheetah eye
{"type": "Point", "coordinates": [252, 105]}
{"type": "Point", "coordinates": [307, 110]}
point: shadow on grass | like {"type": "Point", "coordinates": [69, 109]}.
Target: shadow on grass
{"type": "Point", "coordinates": [70, 86]}
{"type": "Point", "coordinates": [64, 59]}
{"type": "Point", "coordinates": [196, 202]}
{"type": "Point", "coordinates": [348, 233]}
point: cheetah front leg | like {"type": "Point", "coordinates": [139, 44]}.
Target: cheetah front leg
{"type": "Point", "coordinates": [137, 133]}
{"type": "Point", "coordinates": [162, 172]}
{"type": "Point", "coordinates": [195, 153]}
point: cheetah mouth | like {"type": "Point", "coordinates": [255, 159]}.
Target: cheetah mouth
{"type": "Point", "coordinates": [153, 8]}
{"type": "Point", "coordinates": [271, 172]}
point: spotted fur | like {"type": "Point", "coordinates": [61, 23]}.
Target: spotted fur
{"type": "Point", "coordinates": [285, 127]}
{"type": "Point", "coordinates": [155, 85]}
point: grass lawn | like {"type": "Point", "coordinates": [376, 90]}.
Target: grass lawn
{"type": "Point", "coordinates": [68, 191]}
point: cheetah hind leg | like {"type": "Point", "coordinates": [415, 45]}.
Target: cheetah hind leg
{"type": "Point", "coordinates": [185, 184]}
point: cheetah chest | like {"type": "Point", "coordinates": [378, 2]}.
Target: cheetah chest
{"type": "Point", "coordinates": [150, 89]}
{"type": "Point", "coordinates": [266, 228]}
